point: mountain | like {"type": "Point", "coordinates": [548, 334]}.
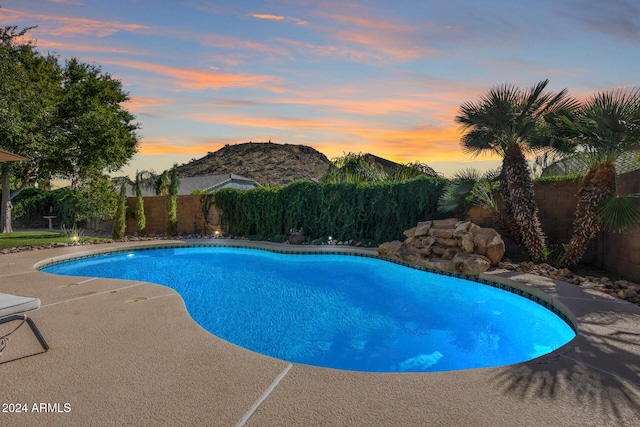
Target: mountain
{"type": "Point", "coordinates": [266, 162]}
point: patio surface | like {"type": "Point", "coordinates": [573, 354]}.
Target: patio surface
{"type": "Point", "coordinates": [127, 353]}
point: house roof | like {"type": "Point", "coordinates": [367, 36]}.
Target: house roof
{"type": "Point", "coordinates": [212, 182]}
{"type": "Point", "coordinates": [207, 183]}
{"type": "Point", "coordinates": [626, 162]}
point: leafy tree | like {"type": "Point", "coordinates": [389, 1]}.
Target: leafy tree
{"type": "Point", "coordinates": [120, 217]}
{"type": "Point", "coordinates": [67, 120]}
{"type": "Point", "coordinates": [95, 197]}
{"type": "Point", "coordinates": [99, 135]}
{"type": "Point", "coordinates": [606, 126]}
{"type": "Point", "coordinates": [172, 203]}
{"type": "Point", "coordinates": [510, 122]}
{"type": "Point", "coordinates": [27, 84]}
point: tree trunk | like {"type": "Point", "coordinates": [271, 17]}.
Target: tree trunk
{"type": "Point", "coordinates": [598, 185]}
{"type": "Point", "coordinates": [6, 197]}
{"type": "Point", "coordinates": [520, 207]}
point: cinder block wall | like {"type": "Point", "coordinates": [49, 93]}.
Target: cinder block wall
{"type": "Point", "coordinates": [615, 252]}
{"type": "Point", "coordinates": [190, 220]}
{"type": "Point", "coordinates": [621, 251]}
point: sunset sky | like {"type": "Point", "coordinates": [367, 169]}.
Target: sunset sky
{"type": "Point", "coordinates": [378, 76]}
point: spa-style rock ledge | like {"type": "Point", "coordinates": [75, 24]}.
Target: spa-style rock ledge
{"type": "Point", "coordinates": [448, 245]}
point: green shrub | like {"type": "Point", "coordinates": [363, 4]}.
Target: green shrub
{"type": "Point", "coordinates": [374, 211]}
{"type": "Point", "coordinates": [120, 218]}
{"type": "Point", "coordinates": [141, 219]}
{"type": "Point", "coordinates": [172, 204]}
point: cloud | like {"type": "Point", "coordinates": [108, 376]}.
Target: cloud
{"type": "Point", "coordinates": [370, 23]}
{"type": "Point", "coordinates": [149, 147]}
{"type": "Point", "coordinates": [235, 102]}
{"type": "Point", "coordinates": [69, 27]}
{"type": "Point", "coordinates": [616, 18]}
{"type": "Point", "coordinates": [193, 79]}
{"type": "Point", "coordinates": [69, 2]}
{"type": "Point", "coordinates": [271, 17]}
{"type": "Point", "coordinates": [327, 50]}
{"type": "Point", "coordinates": [395, 41]}
{"type": "Point", "coordinates": [233, 43]}
{"type": "Point", "coordinates": [146, 106]}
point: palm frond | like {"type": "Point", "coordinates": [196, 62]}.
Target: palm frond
{"type": "Point", "coordinates": [620, 213]}
{"type": "Point", "coordinates": [407, 171]}
{"type": "Point", "coordinates": [482, 194]}
{"type": "Point", "coordinates": [456, 197]}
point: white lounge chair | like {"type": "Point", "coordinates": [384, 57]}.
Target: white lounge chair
{"type": "Point", "coordinates": [15, 307]}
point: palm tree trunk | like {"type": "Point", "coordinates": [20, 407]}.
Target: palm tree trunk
{"type": "Point", "coordinates": [598, 185]}
{"type": "Point", "coordinates": [520, 207]}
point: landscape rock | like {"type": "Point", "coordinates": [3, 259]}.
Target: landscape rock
{"type": "Point", "coordinates": [461, 229]}
{"type": "Point", "coordinates": [389, 249]}
{"type": "Point", "coordinates": [489, 243]}
{"type": "Point", "coordinates": [471, 264]}
{"type": "Point", "coordinates": [448, 245]}
{"type": "Point", "coordinates": [445, 223]}
{"type": "Point", "coordinates": [467, 244]}
{"type": "Point", "coordinates": [442, 233]}
{"type": "Point", "coordinates": [422, 229]}
{"type": "Point", "coordinates": [410, 232]}
{"type": "Point", "coordinates": [622, 289]}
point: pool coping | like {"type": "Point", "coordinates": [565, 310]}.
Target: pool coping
{"type": "Point", "coordinates": [592, 380]}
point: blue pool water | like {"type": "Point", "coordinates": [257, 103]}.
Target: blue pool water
{"type": "Point", "coordinates": [340, 311]}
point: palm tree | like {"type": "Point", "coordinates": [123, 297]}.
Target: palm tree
{"type": "Point", "coordinates": [159, 183]}
{"type": "Point", "coordinates": [353, 168]}
{"type": "Point", "coordinates": [607, 126]}
{"type": "Point", "coordinates": [511, 122]}
{"type": "Point", "coordinates": [470, 187]}
{"type": "Point", "coordinates": [406, 171]}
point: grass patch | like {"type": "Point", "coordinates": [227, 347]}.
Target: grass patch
{"type": "Point", "coordinates": [31, 238]}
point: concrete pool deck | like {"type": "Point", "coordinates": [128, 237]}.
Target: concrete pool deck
{"type": "Point", "coordinates": [127, 353]}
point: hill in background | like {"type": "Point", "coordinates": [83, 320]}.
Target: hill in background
{"type": "Point", "coordinates": [265, 162]}
{"type": "Point", "coordinates": [268, 163]}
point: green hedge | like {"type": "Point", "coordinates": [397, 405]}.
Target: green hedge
{"type": "Point", "coordinates": [375, 211]}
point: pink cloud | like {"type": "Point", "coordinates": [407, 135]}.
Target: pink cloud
{"type": "Point", "coordinates": [67, 27]}
{"type": "Point", "coordinates": [271, 17]}
{"type": "Point", "coordinates": [69, 2]}
{"type": "Point", "coordinates": [192, 79]}
{"type": "Point", "coordinates": [162, 146]}
{"type": "Point", "coordinates": [233, 43]}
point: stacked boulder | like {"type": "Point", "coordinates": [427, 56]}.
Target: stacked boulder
{"type": "Point", "coordinates": [448, 245]}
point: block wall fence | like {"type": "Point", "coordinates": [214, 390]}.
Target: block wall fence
{"type": "Point", "coordinates": [190, 219]}
{"type": "Point", "coordinates": [615, 252]}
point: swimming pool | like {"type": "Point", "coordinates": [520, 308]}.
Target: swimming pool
{"type": "Point", "coordinates": [341, 311]}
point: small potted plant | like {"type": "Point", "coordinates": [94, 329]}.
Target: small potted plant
{"type": "Point", "coordinates": [296, 236]}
